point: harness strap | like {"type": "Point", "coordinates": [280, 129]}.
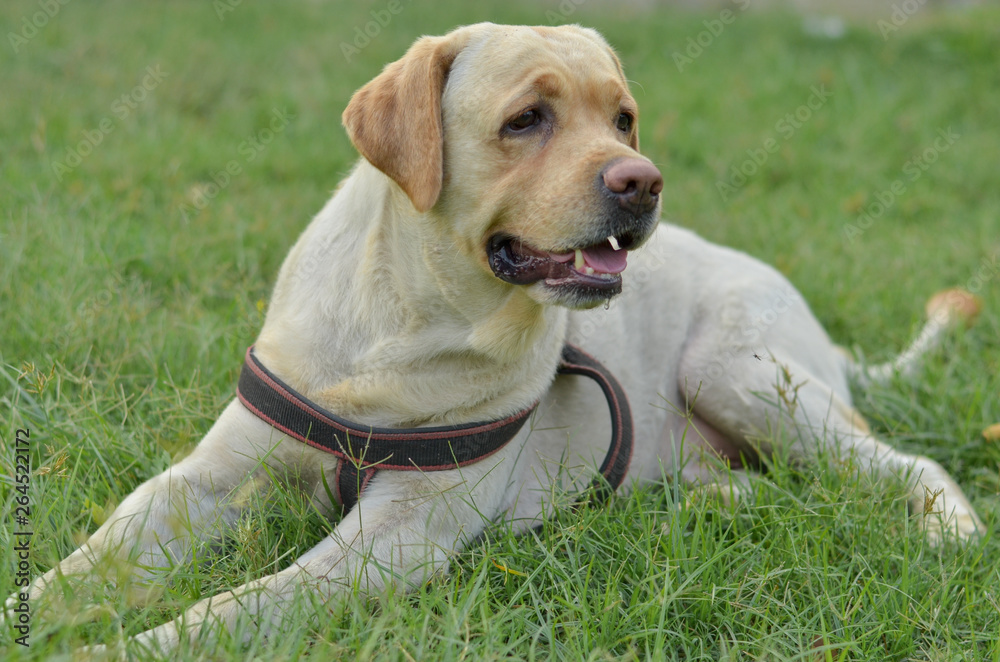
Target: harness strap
{"type": "Point", "coordinates": [577, 362]}
{"type": "Point", "coordinates": [363, 450]}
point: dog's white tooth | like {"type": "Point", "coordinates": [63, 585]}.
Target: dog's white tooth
{"type": "Point", "coordinates": [614, 243]}
{"type": "Point", "coordinates": [589, 271]}
{"type": "Point", "coordinates": [578, 261]}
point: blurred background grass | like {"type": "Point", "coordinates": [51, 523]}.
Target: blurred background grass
{"type": "Point", "coordinates": [120, 211]}
{"type": "Point", "coordinates": [124, 308]}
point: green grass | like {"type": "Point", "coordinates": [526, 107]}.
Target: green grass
{"type": "Point", "coordinates": [123, 315]}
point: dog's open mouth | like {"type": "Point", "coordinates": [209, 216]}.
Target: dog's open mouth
{"type": "Point", "coordinates": [596, 268]}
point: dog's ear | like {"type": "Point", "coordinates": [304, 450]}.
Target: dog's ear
{"type": "Point", "coordinates": [395, 120]}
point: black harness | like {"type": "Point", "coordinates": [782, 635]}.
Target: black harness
{"type": "Point", "coordinates": [364, 450]}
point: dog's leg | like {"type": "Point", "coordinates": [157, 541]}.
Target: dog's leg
{"type": "Point", "coordinates": [404, 528]}
{"type": "Point", "coordinates": [728, 489]}
{"type": "Point", "coordinates": [155, 526]}
{"type": "Point", "coordinates": [712, 465]}
{"type": "Point", "coordinates": [781, 401]}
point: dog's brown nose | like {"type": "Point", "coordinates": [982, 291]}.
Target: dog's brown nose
{"type": "Point", "coordinates": [635, 182]}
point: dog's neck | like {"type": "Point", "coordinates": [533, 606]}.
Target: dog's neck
{"type": "Point", "coordinates": [381, 318]}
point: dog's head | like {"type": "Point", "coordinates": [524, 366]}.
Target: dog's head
{"type": "Point", "coordinates": [523, 141]}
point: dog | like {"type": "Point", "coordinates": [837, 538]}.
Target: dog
{"type": "Point", "coordinates": [500, 204]}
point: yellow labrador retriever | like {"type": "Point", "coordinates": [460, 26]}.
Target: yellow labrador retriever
{"type": "Point", "coordinates": [500, 198]}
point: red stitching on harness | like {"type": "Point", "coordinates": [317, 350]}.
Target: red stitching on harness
{"type": "Point", "coordinates": [472, 442]}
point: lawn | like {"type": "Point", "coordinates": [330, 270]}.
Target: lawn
{"type": "Point", "coordinates": [158, 161]}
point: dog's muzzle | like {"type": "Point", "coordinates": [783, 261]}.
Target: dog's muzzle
{"type": "Point", "coordinates": [591, 269]}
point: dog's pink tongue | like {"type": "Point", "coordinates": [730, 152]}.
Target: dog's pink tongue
{"type": "Point", "coordinates": [605, 259]}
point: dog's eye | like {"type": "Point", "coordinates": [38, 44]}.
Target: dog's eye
{"type": "Point", "coordinates": [525, 120]}
{"type": "Point", "coordinates": [624, 122]}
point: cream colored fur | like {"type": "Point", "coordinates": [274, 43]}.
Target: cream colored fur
{"type": "Point", "coordinates": [386, 312]}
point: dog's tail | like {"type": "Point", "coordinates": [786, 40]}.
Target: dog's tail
{"type": "Point", "coordinates": [945, 311]}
